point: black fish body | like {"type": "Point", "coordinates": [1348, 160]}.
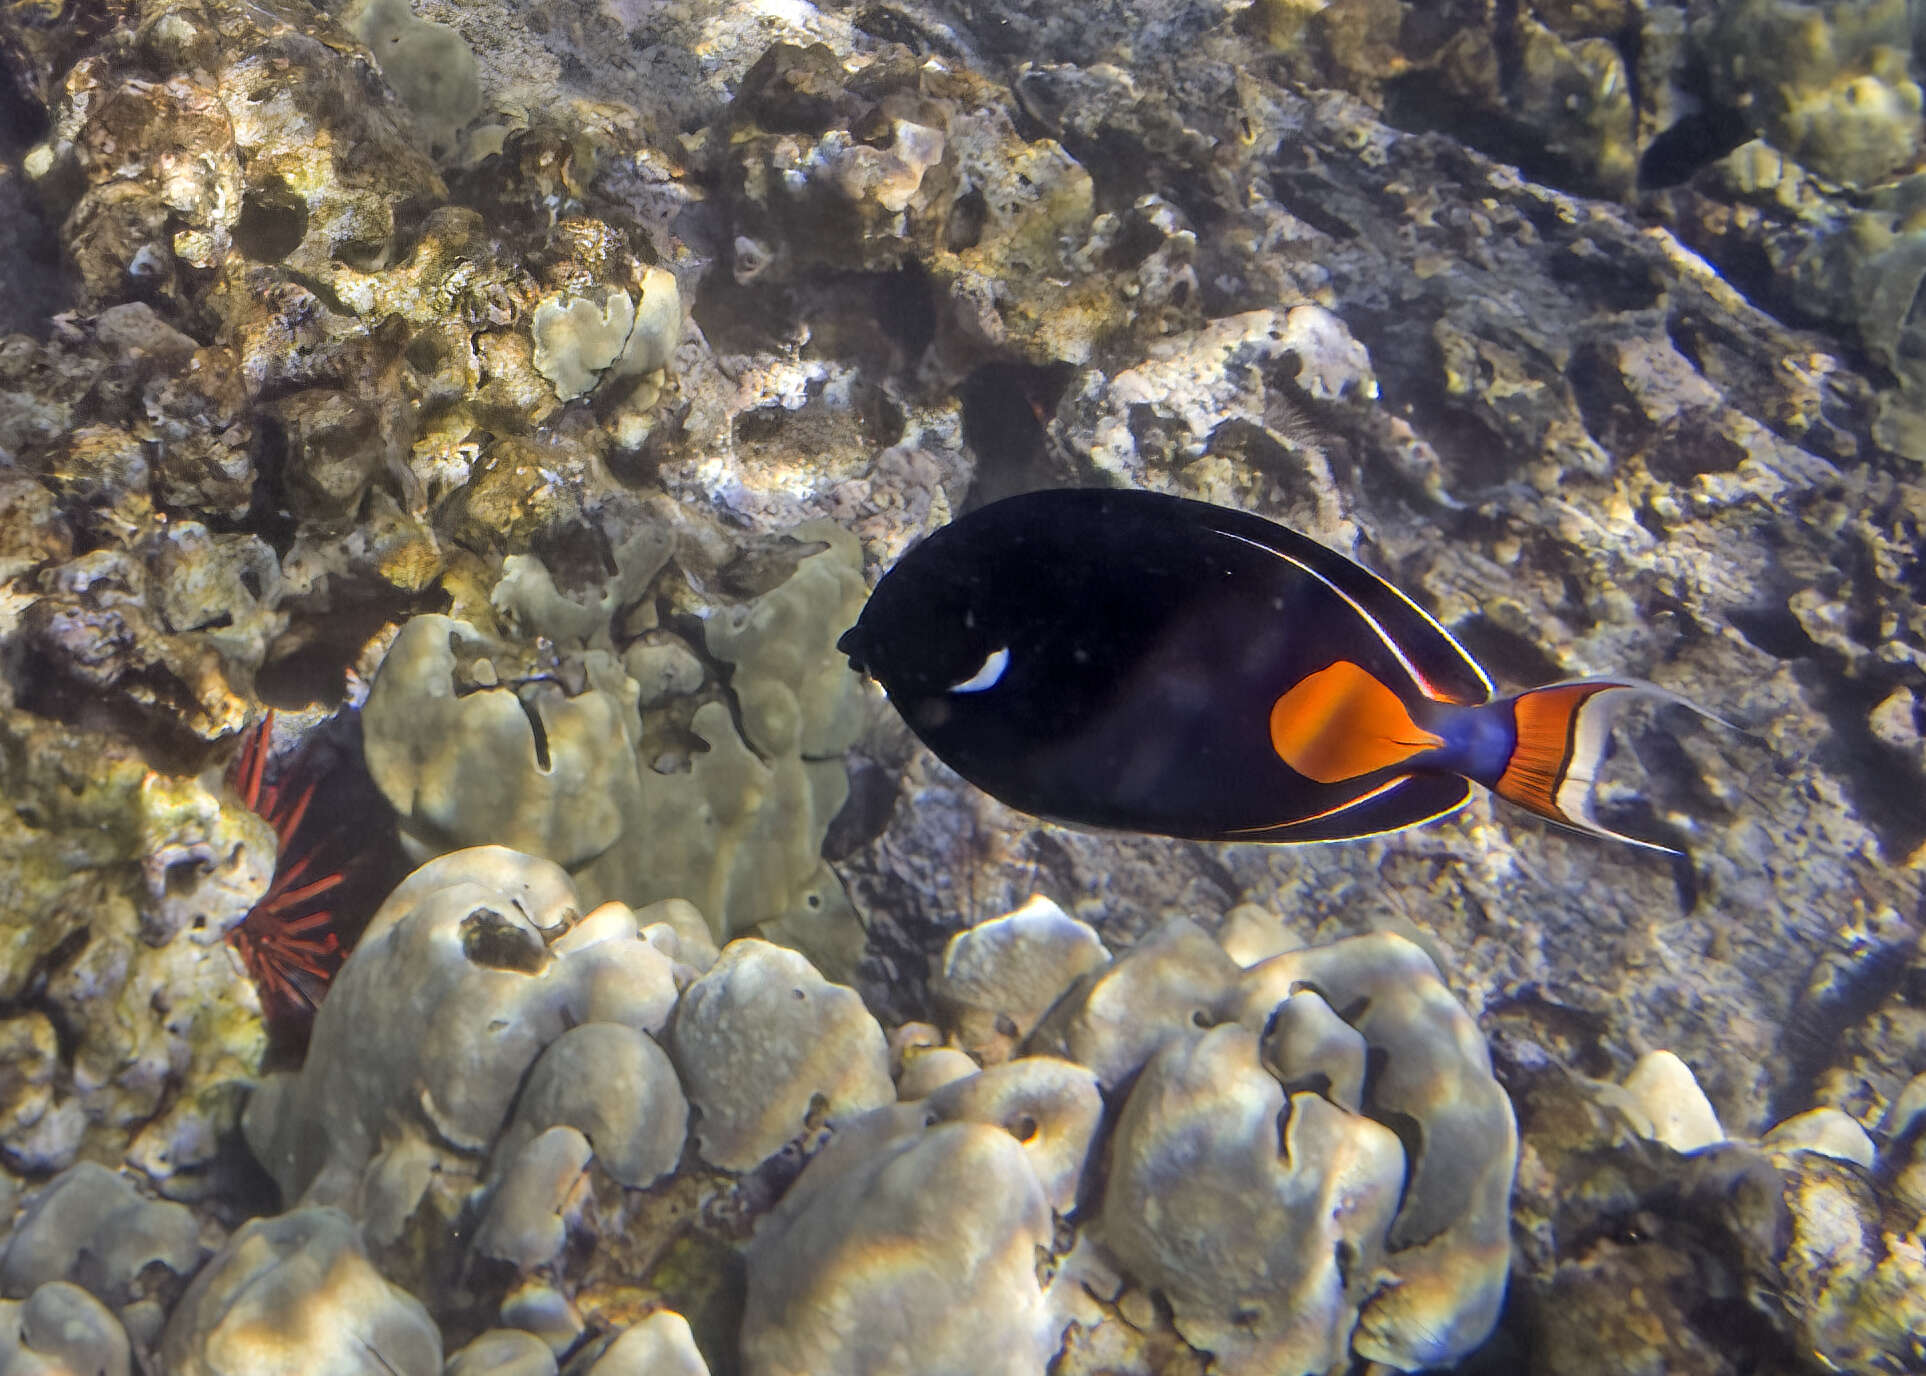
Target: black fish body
{"type": "Point", "coordinates": [1132, 660]}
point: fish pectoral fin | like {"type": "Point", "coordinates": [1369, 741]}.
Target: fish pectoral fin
{"type": "Point", "coordinates": [1342, 722]}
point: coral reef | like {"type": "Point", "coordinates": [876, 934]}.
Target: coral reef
{"type": "Point", "coordinates": [296, 1292]}
{"type": "Point", "coordinates": [118, 884]}
{"type": "Point", "coordinates": [1648, 1245]}
{"type": "Point", "coordinates": [766, 1046]}
{"type": "Point", "coordinates": [737, 829]}
{"type": "Point", "coordinates": [499, 963]}
{"type": "Point", "coordinates": [553, 379]}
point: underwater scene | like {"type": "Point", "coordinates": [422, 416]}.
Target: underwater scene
{"type": "Point", "coordinates": [962, 687]}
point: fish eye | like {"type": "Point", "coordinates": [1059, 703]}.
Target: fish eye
{"type": "Point", "coordinates": [987, 674]}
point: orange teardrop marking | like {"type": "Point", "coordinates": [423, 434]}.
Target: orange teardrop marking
{"type": "Point", "coordinates": [1341, 723]}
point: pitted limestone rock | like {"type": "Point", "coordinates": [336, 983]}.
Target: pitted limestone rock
{"type": "Point", "coordinates": [1261, 1217]}
{"type": "Point", "coordinates": [761, 1036]}
{"type": "Point", "coordinates": [1448, 1250]}
{"type": "Point", "coordinates": [297, 1293]}
{"type": "Point", "coordinates": [998, 978]}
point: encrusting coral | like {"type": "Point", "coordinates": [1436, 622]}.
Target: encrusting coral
{"type": "Point", "coordinates": [738, 831]}
{"type": "Point", "coordinates": [297, 1292]}
{"type": "Point", "coordinates": [89, 1227]}
{"type": "Point", "coordinates": [766, 1046]}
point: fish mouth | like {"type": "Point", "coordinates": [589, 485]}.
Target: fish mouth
{"type": "Point", "coordinates": [852, 644]}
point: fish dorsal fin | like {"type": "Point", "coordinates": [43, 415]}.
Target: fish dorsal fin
{"type": "Point", "coordinates": [1439, 666]}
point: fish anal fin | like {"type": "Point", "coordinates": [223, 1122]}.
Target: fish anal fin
{"type": "Point", "coordinates": [1405, 800]}
{"type": "Point", "coordinates": [1343, 723]}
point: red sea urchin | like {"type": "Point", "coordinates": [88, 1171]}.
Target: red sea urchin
{"type": "Point", "coordinates": [288, 941]}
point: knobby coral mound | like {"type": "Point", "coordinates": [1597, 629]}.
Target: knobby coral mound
{"type": "Point", "coordinates": [1264, 1238]}
{"type": "Point", "coordinates": [297, 1292]}
{"type": "Point", "coordinates": [736, 827]}
{"type": "Point", "coordinates": [766, 1044]}
{"type": "Point", "coordinates": [90, 1229]}
{"type": "Point", "coordinates": [1301, 1188]}
{"type": "Point", "coordinates": [499, 963]}
{"type": "Point", "coordinates": [1448, 1249]}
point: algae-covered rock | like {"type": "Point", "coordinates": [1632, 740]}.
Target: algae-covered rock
{"type": "Point", "coordinates": [116, 884]}
{"type": "Point", "coordinates": [1830, 85]}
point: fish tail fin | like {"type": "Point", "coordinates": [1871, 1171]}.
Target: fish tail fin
{"type": "Point", "coordinates": [1561, 734]}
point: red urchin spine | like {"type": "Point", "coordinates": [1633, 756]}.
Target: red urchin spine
{"type": "Point", "coordinates": [287, 941]}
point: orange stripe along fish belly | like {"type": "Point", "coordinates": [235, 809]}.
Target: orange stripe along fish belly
{"type": "Point", "coordinates": [1136, 661]}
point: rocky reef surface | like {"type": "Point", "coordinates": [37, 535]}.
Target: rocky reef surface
{"type": "Point", "coordinates": [518, 400]}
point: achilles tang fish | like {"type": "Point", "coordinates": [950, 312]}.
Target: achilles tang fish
{"type": "Point", "coordinates": [1132, 660]}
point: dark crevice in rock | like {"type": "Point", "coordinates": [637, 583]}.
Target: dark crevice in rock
{"type": "Point", "coordinates": [272, 224]}
{"type": "Point", "coordinates": [1817, 1024]}
{"type": "Point", "coordinates": [1679, 153]}
{"type": "Point", "coordinates": [1006, 408]}
{"type": "Point", "coordinates": [1886, 789]}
